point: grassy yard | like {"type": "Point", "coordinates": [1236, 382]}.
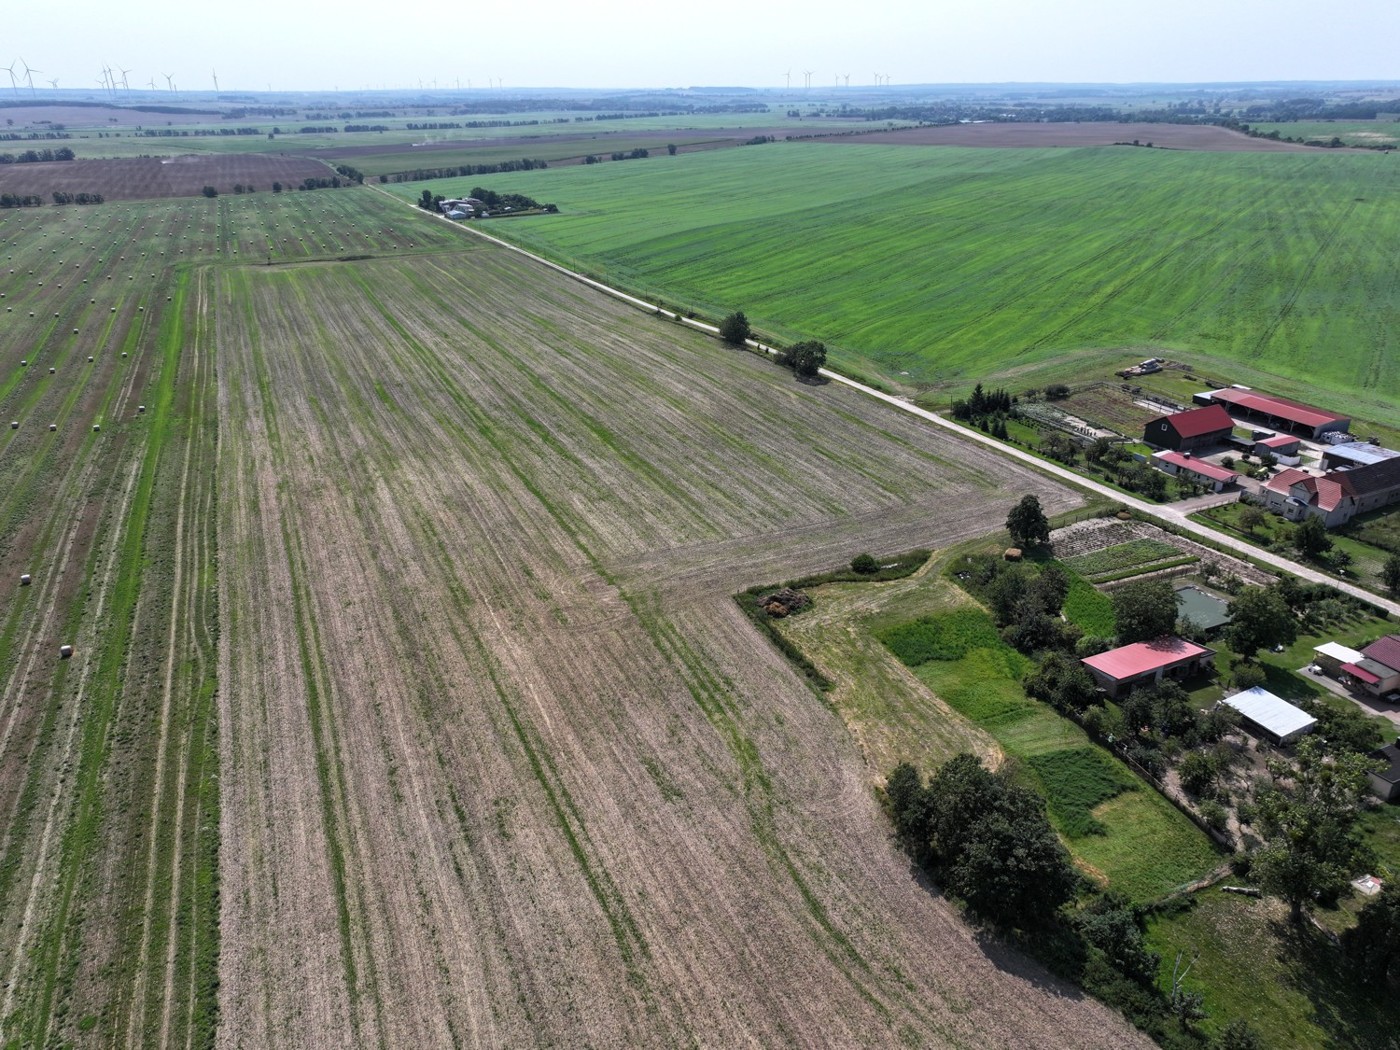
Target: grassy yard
{"type": "Point", "coordinates": [1277, 534]}
{"type": "Point", "coordinates": [1291, 985]}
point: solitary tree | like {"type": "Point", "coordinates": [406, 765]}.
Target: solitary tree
{"type": "Point", "coordinates": [735, 329]}
{"type": "Point", "coordinates": [1259, 619]}
{"type": "Point", "coordinates": [1251, 517]}
{"type": "Point", "coordinates": [1144, 610]}
{"type": "Point", "coordinates": [806, 358]}
{"type": "Point", "coordinates": [1311, 539]}
{"type": "Point", "coordinates": [1027, 523]}
{"type": "Point", "coordinates": [209, 191]}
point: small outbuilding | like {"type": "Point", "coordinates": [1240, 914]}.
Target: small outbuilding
{"type": "Point", "coordinates": [1143, 663]}
{"type": "Point", "coordinates": [1330, 656]}
{"type": "Point", "coordinates": [1270, 716]}
{"type": "Point", "coordinates": [1385, 781]}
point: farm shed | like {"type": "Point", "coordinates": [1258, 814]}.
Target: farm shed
{"type": "Point", "coordinates": [1385, 782]}
{"type": "Point", "coordinates": [1283, 447]}
{"type": "Point", "coordinates": [1188, 431]}
{"type": "Point", "coordinates": [1270, 716]}
{"type": "Point", "coordinates": [1180, 464]}
{"type": "Point", "coordinates": [1142, 663]}
{"type": "Point", "coordinates": [1279, 412]}
{"type": "Point", "coordinates": [1337, 496]}
{"type": "Point", "coordinates": [1355, 454]}
{"type": "Point", "coordinates": [1206, 611]}
{"type": "Point", "coordinates": [1331, 655]}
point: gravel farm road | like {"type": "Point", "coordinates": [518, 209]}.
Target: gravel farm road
{"type": "Point", "coordinates": [1150, 510]}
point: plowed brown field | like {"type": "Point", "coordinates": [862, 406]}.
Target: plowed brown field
{"type": "Point", "coordinates": [143, 178]}
{"type": "Point", "coordinates": [503, 764]}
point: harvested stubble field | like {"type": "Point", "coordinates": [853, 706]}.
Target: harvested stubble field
{"type": "Point", "coordinates": [954, 265]}
{"type": "Point", "coordinates": [421, 600]}
{"type": "Point", "coordinates": [146, 178]}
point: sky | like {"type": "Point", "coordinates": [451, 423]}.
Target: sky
{"type": "Point", "coordinates": [257, 44]}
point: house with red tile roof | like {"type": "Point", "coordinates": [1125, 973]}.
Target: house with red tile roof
{"type": "Point", "coordinates": [1181, 464]}
{"type": "Point", "coordinates": [1143, 663]}
{"type": "Point", "coordinates": [1337, 496]}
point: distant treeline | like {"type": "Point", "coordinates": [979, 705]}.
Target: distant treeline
{"type": "Point", "coordinates": [369, 114]}
{"type": "Point", "coordinates": [60, 197]}
{"type": "Point", "coordinates": [418, 174]}
{"type": "Point", "coordinates": [182, 133]}
{"type": "Point", "coordinates": [21, 200]}
{"type": "Point", "coordinates": [37, 156]}
{"type": "Point", "coordinates": [259, 111]}
{"type": "Point", "coordinates": [33, 136]}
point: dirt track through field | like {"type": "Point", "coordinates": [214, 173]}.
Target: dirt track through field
{"type": "Point", "coordinates": [503, 764]}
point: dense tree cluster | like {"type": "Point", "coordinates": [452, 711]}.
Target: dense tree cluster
{"type": "Point", "coordinates": [60, 197]}
{"type": "Point", "coordinates": [21, 200]}
{"type": "Point", "coordinates": [986, 839]}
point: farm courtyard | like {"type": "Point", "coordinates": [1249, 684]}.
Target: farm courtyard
{"type": "Point", "coordinates": [409, 704]}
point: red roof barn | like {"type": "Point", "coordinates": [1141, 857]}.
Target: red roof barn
{"type": "Point", "coordinates": [1187, 431]}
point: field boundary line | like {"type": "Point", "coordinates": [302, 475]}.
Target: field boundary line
{"type": "Point", "coordinates": [1148, 510]}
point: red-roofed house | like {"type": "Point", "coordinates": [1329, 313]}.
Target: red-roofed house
{"type": "Point", "coordinates": [1335, 497]}
{"type": "Point", "coordinates": [1187, 431]}
{"type": "Point", "coordinates": [1181, 464]}
{"type": "Point", "coordinates": [1142, 663]}
{"type": "Point", "coordinates": [1384, 651]}
{"type": "Point", "coordinates": [1280, 413]}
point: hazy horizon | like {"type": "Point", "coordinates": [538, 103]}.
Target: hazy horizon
{"type": "Point", "coordinates": [260, 46]}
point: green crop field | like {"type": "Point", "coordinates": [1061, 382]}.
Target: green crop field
{"type": "Point", "coordinates": [949, 264]}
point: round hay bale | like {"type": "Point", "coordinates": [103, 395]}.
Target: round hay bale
{"type": "Point", "coordinates": [1124, 515]}
{"type": "Point", "coordinates": [1012, 554]}
{"type": "Point", "coordinates": [65, 652]}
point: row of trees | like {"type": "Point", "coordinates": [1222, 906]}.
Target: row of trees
{"type": "Point", "coordinates": [461, 170]}
{"type": "Point", "coordinates": [806, 358]}
{"type": "Point", "coordinates": [21, 200]}
{"type": "Point", "coordinates": [60, 197]}
{"type": "Point", "coordinates": [36, 156]}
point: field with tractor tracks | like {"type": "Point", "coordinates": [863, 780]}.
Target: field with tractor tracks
{"type": "Point", "coordinates": [409, 704]}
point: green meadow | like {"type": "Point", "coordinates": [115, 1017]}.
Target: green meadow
{"type": "Point", "coordinates": [937, 265]}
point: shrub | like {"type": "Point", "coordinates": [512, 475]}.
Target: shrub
{"type": "Point", "coordinates": [864, 564]}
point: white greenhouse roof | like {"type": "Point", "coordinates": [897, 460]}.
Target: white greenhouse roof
{"type": "Point", "coordinates": [1270, 712]}
{"type": "Point", "coordinates": [1338, 651]}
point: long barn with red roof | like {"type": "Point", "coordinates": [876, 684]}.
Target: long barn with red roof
{"type": "Point", "coordinates": [1279, 413]}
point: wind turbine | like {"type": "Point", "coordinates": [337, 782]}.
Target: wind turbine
{"type": "Point", "coordinates": [152, 84]}
{"type": "Point", "coordinates": [215, 74]}
{"type": "Point", "coordinates": [170, 84]}
{"type": "Point", "coordinates": [10, 69]}
{"type": "Point", "coordinates": [125, 86]}
{"type": "Point", "coordinates": [807, 73]}
{"type": "Point", "coordinates": [787, 79]}
{"type": "Point", "coordinates": [29, 74]}
{"type": "Point", "coordinates": [847, 78]}
{"type": "Point", "coordinates": [54, 83]}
